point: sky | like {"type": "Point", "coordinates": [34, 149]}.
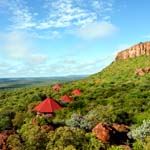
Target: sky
{"type": "Point", "coordinates": [43, 38]}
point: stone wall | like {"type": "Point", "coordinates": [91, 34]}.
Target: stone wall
{"type": "Point", "coordinates": [135, 51]}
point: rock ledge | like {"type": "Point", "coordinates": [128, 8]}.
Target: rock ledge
{"type": "Point", "coordinates": [135, 51]}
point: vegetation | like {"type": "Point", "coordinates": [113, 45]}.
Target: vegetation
{"type": "Point", "coordinates": [115, 95]}
{"type": "Point", "coordinates": [10, 83]}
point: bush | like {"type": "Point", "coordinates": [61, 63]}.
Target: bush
{"type": "Point", "coordinates": [18, 119]}
{"type": "Point", "coordinates": [70, 147]}
{"type": "Point", "coordinates": [72, 139]}
{"type": "Point", "coordinates": [33, 137]}
{"type": "Point", "coordinates": [138, 145]}
{"type": "Point", "coordinates": [147, 143]}
{"type": "Point", "coordinates": [116, 148]}
{"type": "Point", "coordinates": [93, 143]}
{"type": "Point", "coordinates": [43, 120]}
{"type": "Point", "coordinates": [140, 132]}
{"type": "Point", "coordinates": [142, 145]}
{"type": "Point", "coordinates": [5, 122]}
{"type": "Point", "coordinates": [78, 121]}
{"type": "Point", "coordinates": [66, 136]}
{"type": "Point", "coordinates": [5, 119]}
{"type": "Point", "coordinates": [100, 114]}
{"type": "Point", "coordinates": [14, 142]}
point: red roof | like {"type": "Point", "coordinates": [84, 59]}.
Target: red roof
{"type": "Point", "coordinates": [56, 87]}
{"type": "Point", "coordinates": [76, 92]}
{"type": "Point", "coordinates": [66, 98]}
{"type": "Point", "coordinates": [47, 106]}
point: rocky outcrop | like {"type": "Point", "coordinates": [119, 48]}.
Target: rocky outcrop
{"type": "Point", "coordinates": [142, 71]}
{"type": "Point", "coordinates": [135, 51]}
{"type": "Point", "coordinates": [102, 132]}
{"type": "Point", "coordinates": [115, 133]}
{"type": "Point", "coordinates": [120, 127]}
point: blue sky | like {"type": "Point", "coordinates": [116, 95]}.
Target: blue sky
{"type": "Point", "coordinates": [67, 37]}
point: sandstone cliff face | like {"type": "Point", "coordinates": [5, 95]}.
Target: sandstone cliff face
{"type": "Point", "coordinates": [135, 51]}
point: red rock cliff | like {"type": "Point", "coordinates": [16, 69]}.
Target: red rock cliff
{"type": "Point", "coordinates": [135, 51]}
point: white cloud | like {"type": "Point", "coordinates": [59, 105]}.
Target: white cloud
{"type": "Point", "coordinates": [74, 66]}
{"type": "Point", "coordinates": [37, 58]}
{"type": "Point", "coordinates": [96, 30]}
{"type": "Point", "coordinates": [66, 13]}
{"type": "Point", "coordinates": [62, 66]}
{"type": "Point", "coordinates": [16, 45]}
{"type": "Point", "coordinates": [106, 18]}
{"type": "Point", "coordinates": [46, 35]}
{"type": "Point", "coordinates": [59, 13]}
{"type": "Point", "coordinates": [21, 15]}
{"type": "Point", "coordinates": [97, 4]}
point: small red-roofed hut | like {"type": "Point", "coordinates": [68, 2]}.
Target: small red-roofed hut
{"type": "Point", "coordinates": [66, 99]}
{"type": "Point", "coordinates": [48, 106]}
{"type": "Point", "coordinates": [76, 92]}
{"type": "Point", "coordinates": [57, 87]}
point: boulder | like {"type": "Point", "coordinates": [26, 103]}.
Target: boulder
{"type": "Point", "coordinates": [142, 71]}
{"type": "Point", "coordinates": [102, 132]}
{"type": "Point", "coordinates": [120, 127]}
{"type": "Point", "coordinates": [115, 133]}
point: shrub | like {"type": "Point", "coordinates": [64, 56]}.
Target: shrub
{"type": "Point", "coordinates": [140, 132]}
{"type": "Point", "coordinates": [138, 145]}
{"type": "Point", "coordinates": [70, 147]}
{"type": "Point", "coordinates": [147, 143]}
{"type": "Point", "coordinates": [18, 119]}
{"type": "Point", "coordinates": [72, 139]}
{"type": "Point", "coordinates": [142, 145]}
{"type": "Point", "coordinates": [14, 142]}
{"type": "Point", "coordinates": [5, 122]}
{"type": "Point", "coordinates": [5, 119]}
{"type": "Point", "coordinates": [100, 114]}
{"type": "Point", "coordinates": [33, 137]}
{"type": "Point", "coordinates": [78, 121]}
{"type": "Point", "coordinates": [93, 143]}
{"type": "Point", "coordinates": [116, 148]}
{"type": "Point", "coordinates": [66, 136]}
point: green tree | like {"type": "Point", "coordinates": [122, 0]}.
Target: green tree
{"type": "Point", "coordinates": [66, 136]}
{"type": "Point", "coordinates": [18, 119]}
{"type": "Point", "coordinates": [33, 136]}
{"type": "Point", "coordinates": [14, 142]}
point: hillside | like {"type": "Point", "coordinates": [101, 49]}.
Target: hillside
{"type": "Point", "coordinates": [124, 70]}
{"type": "Point", "coordinates": [117, 94]}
